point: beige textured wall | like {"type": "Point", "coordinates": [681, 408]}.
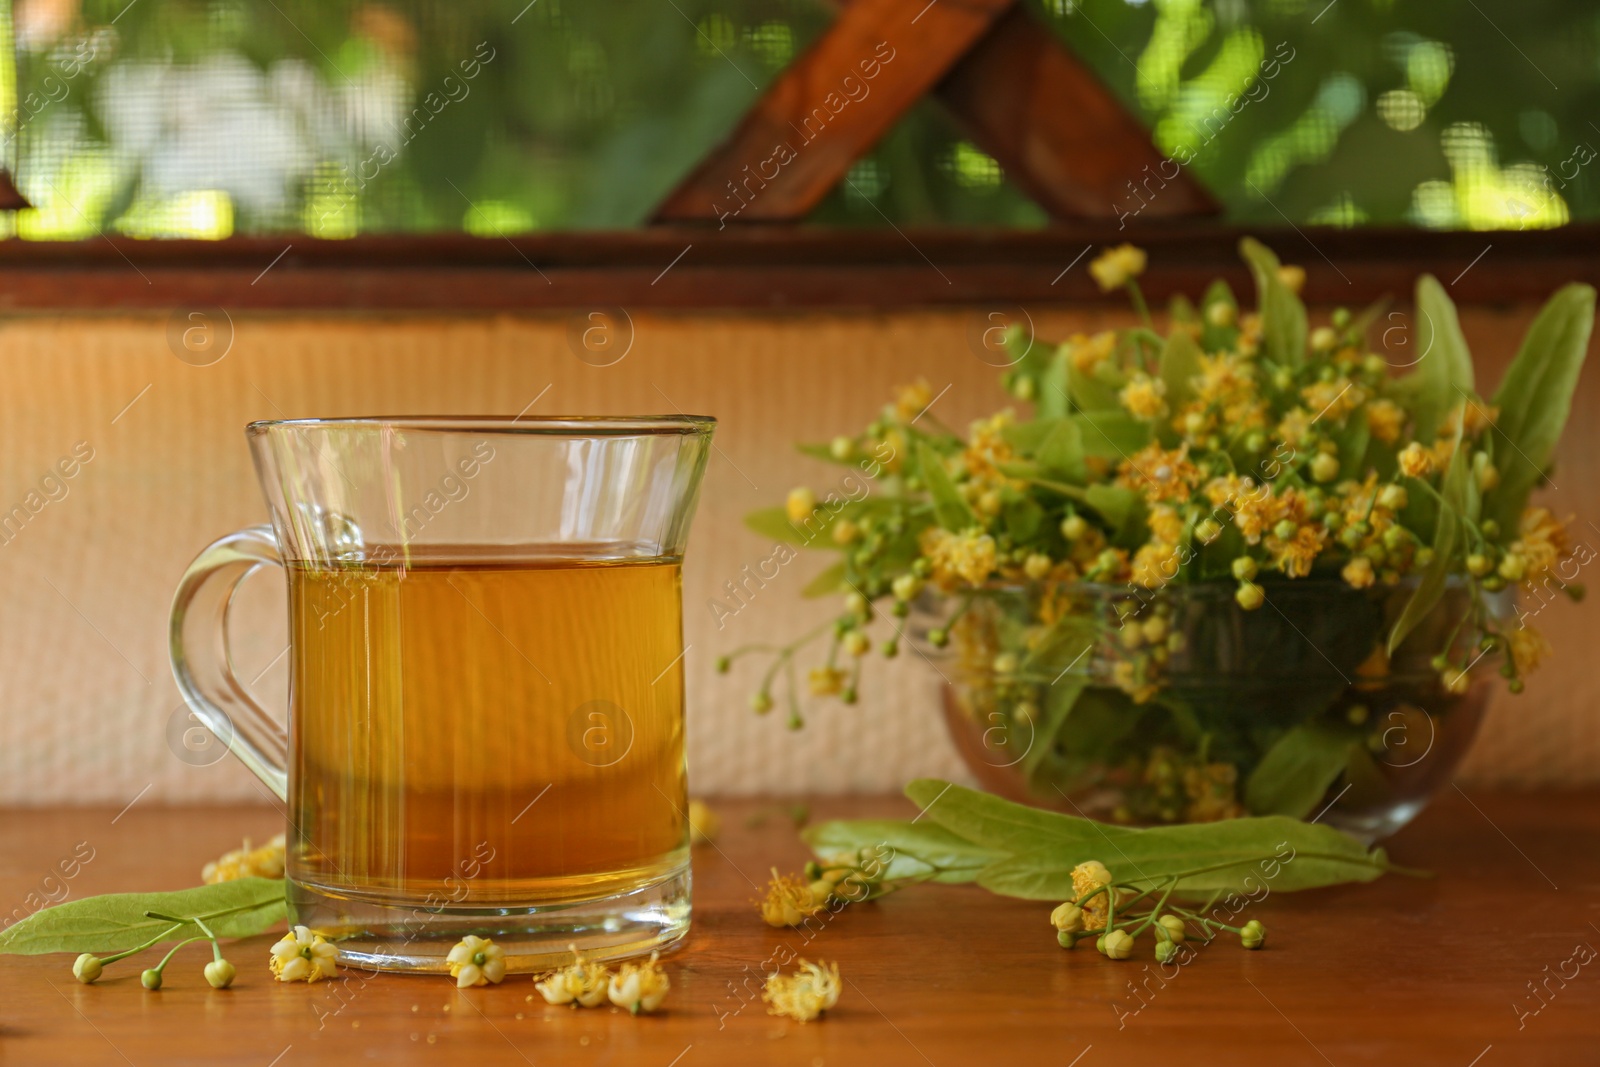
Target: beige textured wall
{"type": "Point", "coordinates": [85, 692]}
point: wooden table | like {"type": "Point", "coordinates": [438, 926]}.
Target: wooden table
{"type": "Point", "coordinates": [1440, 971]}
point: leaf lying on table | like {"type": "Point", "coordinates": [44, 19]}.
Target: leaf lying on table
{"type": "Point", "coordinates": [964, 835]}
{"type": "Point", "coordinates": [117, 921]}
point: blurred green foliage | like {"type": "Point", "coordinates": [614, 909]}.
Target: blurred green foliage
{"type": "Point", "coordinates": [337, 117]}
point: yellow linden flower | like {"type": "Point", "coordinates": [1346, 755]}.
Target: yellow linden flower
{"type": "Point", "coordinates": [304, 956]}
{"type": "Point", "coordinates": [1543, 543]}
{"type": "Point", "coordinates": [1067, 918]}
{"type": "Point", "coordinates": [825, 681]}
{"type": "Point", "coordinates": [1087, 352]}
{"type": "Point", "coordinates": [1386, 419]}
{"type": "Point", "coordinates": [986, 449]}
{"type": "Point", "coordinates": [789, 901]}
{"type": "Point", "coordinates": [1116, 267]}
{"type": "Point", "coordinates": [800, 504]}
{"type": "Point", "coordinates": [1087, 877]}
{"type": "Point", "coordinates": [804, 995]}
{"type": "Point", "coordinates": [1143, 396]}
{"type": "Point", "coordinates": [1333, 400]}
{"type": "Point", "coordinates": [1416, 461]}
{"type": "Point", "coordinates": [1155, 564]}
{"type": "Point", "coordinates": [1159, 474]}
{"type": "Point", "coordinates": [704, 824]}
{"type": "Point", "coordinates": [1358, 572]}
{"type": "Point", "coordinates": [1295, 556]}
{"type": "Point", "coordinates": [1295, 426]}
{"type": "Point", "coordinates": [246, 862]}
{"type": "Point", "coordinates": [476, 961]}
{"type": "Point", "coordinates": [1479, 417]}
{"type": "Point", "coordinates": [583, 983]}
{"type": "Point", "coordinates": [968, 557]}
{"type": "Point", "coordinates": [1212, 793]}
{"type": "Point", "coordinates": [1528, 648]}
{"type": "Point", "coordinates": [639, 987]}
{"type": "Point", "coordinates": [912, 400]}
{"type": "Point", "coordinates": [1223, 377]}
{"type": "Point", "coordinates": [1165, 524]}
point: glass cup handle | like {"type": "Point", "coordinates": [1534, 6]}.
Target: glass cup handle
{"type": "Point", "coordinates": [202, 662]}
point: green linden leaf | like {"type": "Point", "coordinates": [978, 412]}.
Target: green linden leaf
{"type": "Point", "coordinates": [952, 511]}
{"type": "Point", "coordinates": [1285, 854]}
{"type": "Point", "coordinates": [1431, 587]}
{"type": "Point", "coordinates": [916, 845]}
{"type": "Point", "coordinates": [1297, 770]}
{"type": "Point", "coordinates": [1180, 366]}
{"type": "Point", "coordinates": [116, 921]}
{"type": "Point", "coordinates": [1045, 846]}
{"type": "Point", "coordinates": [1283, 317]}
{"type": "Point", "coordinates": [1444, 370]}
{"type": "Point", "coordinates": [1535, 398]}
{"type": "Point", "coordinates": [830, 581]}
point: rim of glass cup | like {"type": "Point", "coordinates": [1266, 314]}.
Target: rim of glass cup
{"type": "Point", "coordinates": [570, 425]}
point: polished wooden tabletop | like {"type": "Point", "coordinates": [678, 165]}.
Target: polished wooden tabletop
{"type": "Point", "coordinates": [1486, 964]}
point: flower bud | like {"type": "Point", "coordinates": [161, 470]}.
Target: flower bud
{"type": "Point", "coordinates": [86, 968]}
{"type": "Point", "coordinates": [1478, 565]}
{"type": "Point", "coordinates": [857, 643]}
{"type": "Point", "coordinates": [1176, 928]}
{"type": "Point", "coordinates": [890, 649]}
{"type": "Point", "coordinates": [842, 448]}
{"type": "Point", "coordinates": [906, 586]}
{"type": "Point", "coordinates": [1037, 565]}
{"type": "Point", "coordinates": [938, 638]}
{"type": "Point", "coordinates": [1073, 527]}
{"type": "Point", "coordinates": [1325, 468]}
{"type": "Point", "coordinates": [1207, 530]}
{"type": "Point", "coordinates": [1165, 950]}
{"type": "Point", "coordinates": [1067, 918]}
{"type": "Point", "coordinates": [724, 664]}
{"type": "Point", "coordinates": [1250, 596]}
{"type": "Point", "coordinates": [1244, 568]}
{"type": "Point", "coordinates": [1285, 529]}
{"type": "Point", "coordinates": [1253, 934]}
{"type": "Point", "coordinates": [1118, 945]}
{"type": "Point", "coordinates": [151, 979]}
{"type": "Point", "coordinates": [800, 503]}
{"type": "Point", "coordinates": [220, 974]}
{"type": "Point", "coordinates": [761, 702]}
{"type": "Point", "coordinates": [1393, 497]}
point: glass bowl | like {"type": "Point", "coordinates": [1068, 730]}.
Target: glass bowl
{"type": "Point", "coordinates": [1151, 706]}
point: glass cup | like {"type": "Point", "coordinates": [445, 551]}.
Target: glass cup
{"type": "Point", "coordinates": [485, 730]}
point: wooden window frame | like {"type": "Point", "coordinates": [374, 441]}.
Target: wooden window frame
{"type": "Point", "coordinates": [779, 268]}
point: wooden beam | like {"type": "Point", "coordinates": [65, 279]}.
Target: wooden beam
{"type": "Point", "coordinates": [1058, 132]}
{"type": "Point", "coordinates": [765, 269]}
{"type": "Point", "coordinates": [830, 106]}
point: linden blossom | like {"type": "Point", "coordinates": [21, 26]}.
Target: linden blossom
{"type": "Point", "coordinates": [812, 127]}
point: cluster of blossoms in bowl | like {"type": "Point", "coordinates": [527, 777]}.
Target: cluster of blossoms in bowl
{"type": "Point", "coordinates": [1083, 548]}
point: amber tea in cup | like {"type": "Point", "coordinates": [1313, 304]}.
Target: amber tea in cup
{"type": "Point", "coordinates": [486, 701]}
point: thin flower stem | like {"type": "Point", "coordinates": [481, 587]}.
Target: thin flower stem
{"type": "Point", "coordinates": [1139, 305]}
{"type": "Point", "coordinates": [1162, 903]}
{"type": "Point", "coordinates": [153, 941]}
{"type": "Point", "coordinates": [174, 951]}
{"type": "Point", "coordinates": [216, 949]}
